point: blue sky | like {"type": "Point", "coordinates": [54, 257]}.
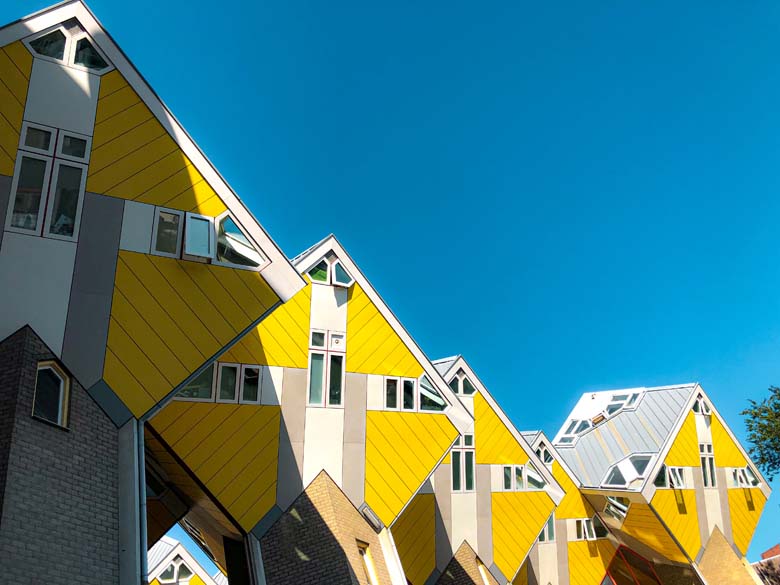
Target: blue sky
{"type": "Point", "coordinates": [575, 196]}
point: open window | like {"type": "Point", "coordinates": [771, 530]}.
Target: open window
{"type": "Point", "coordinates": [430, 399]}
{"type": "Point", "coordinates": [617, 507]}
{"type": "Point", "coordinates": [52, 394]}
{"type": "Point", "coordinates": [745, 477]}
{"type": "Point", "coordinates": [533, 478]}
{"type": "Point", "coordinates": [590, 529]}
{"type": "Point", "coordinates": [201, 388]}
{"type": "Point", "coordinates": [233, 247]}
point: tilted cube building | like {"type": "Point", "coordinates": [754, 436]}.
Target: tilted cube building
{"type": "Point", "coordinates": [163, 362]}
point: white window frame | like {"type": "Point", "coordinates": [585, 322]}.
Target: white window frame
{"type": "Point", "coordinates": [584, 526]}
{"type": "Point", "coordinates": [707, 458]}
{"type": "Point", "coordinates": [333, 280]}
{"type": "Point", "coordinates": [50, 200]}
{"type": "Point", "coordinates": [397, 393]}
{"type": "Point", "coordinates": [616, 509]}
{"type": "Point", "coordinates": [154, 250]}
{"type": "Point", "coordinates": [327, 352]}
{"type": "Point", "coordinates": [236, 388]}
{"type": "Point", "coordinates": [52, 143]}
{"type": "Point", "coordinates": [324, 345]}
{"type": "Point", "coordinates": [188, 219]}
{"type": "Point", "coordinates": [216, 221]}
{"type": "Point", "coordinates": [324, 355]}
{"type": "Point", "coordinates": [401, 395]}
{"type": "Point", "coordinates": [532, 468]}
{"type": "Point", "coordinates": [705, 409]}
{"type": "Point", "coordinates": [549, 527]}
{"type": "Point", "coordinates": [69, 52]}
{"type": "Point", "coordinates": [461, 448]}
{"type": "Point", "coordinates": [337, 341]}
{"type": "Point", "coordinates": [64, 397]}
{"type": "Point", "coordinates": [61, 134]}
{"type": "Point", "coordinates": [244, 368]}
{"type": "Point", "coordinates": [740, 477]}
{"type": "Point", "coordinates": [675, 478]}
{"type": "Point", "coordinates": [211, 398]}
{"type": "Point", "coordinates": [44, 193]}
{"type": "Point", "coordinates": [328, 373]}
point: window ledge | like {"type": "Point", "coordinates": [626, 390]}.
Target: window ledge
{"type": "Point", "coordinates": [50, 423]}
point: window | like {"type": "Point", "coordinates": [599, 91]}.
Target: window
{"type": "Point", "coordinates": [330, 270]}
{"type": "Point", "coordinates": [368, 563]}
{"type": "Point", "coordinates": [71, 46]}
{"type": "Point", "coordinates": [521, 478]}
{"type": "Point", "coordinates": [507, 478]}
{"type": "Point", "coordinates": [590, 529]}
{"type": "Point", "coordinates": [617, 507]}
{"type": "Point", "coordinates": [544, 454]}
{"type": "Point", "coordinates": [463, 464]}
{"type": "Point", "coordinates": [548, 532]}
{"type": "Point", "coordinates": [676, 477]}
{"type": "Point", "coordinates": [177, 573]}
{"type": "Point", "coordinates": [745, 477]}
{"type": "Point", "coordinates": [661, 480]}
{"type": "Point", "coordinates": [430, 399]}
{"type": "Point", "coordinates": [250, 384]}
{"type": "Point", "coordinates": [326, 368]}
{"type": "Point", "coordinates": [391, 393]}
{"type": "Point", "coordinates": [198, 236]}
{"type": "Point", "coordinates": [227, 383]}
{"type": "Point", "coordinates": [460, 384]}
{"type": "Point", "coordinates": [627, 471]}
{"type": "Point", "coordinates": [701, 406]}
{"type": "Point", "coordinates": [707, 464]}
{"type": "Point", "coordinates": [52, 392]}
{"type": "Point", "coordinates": [408, 396]}
{"type": "Point", "coordinates": [575, 428]}
{"type": "Point", "coordinates": [620, 401]}
{"type": "Point", "coordinates": [533, 479]}
{"type": "Point", "coordinates": [167, 232]}
{"type": "Point", "coordinates": [201, 388]}
{"type": "Point", "coordinates": [233, 246]}
{"type": "Point", "coordinates": [48, 183]}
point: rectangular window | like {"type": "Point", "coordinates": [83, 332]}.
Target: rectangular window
{"type": "Point", "coordinates": [201, 389]}
{"type": "Point", "coordinates": [318, 339]}
{"type": "Point", "coordinates": [676, 477]}
{"type": "Point", "coordinates": [456, 471]}
{"type": "Point", "coordinates": [707, 464]}
{"type": "Point", "coordinates": [64, 215]}
{"type": "Point", "coordinates": [519, 483]}
{"type": "Point", "coordinates": [30, 179]}
{"type": "Point", "coordinates": [391, 393]}
{"type": "Point", "coordinates": [368, 563]}
{"type": "Point", "coordinates": [335, 379]}
{"type": "Point", "coordinates": [548, 532]}
{"type": "Point", "coordinates": [167, 232]}
{"type": "Point", "coordinates": [326, 371]}
{"type": "Point", "coordinates": [316, 377]}
{"type": "Point", "coordinates": [585, 529]}
{"type": "Point", "coordinates": [409, 402]}
{"type": "Point", "coordinates": [250, 384]}
{"type": "Point", "coordinates": [463, 451]}
{"type": "Point", "coordinates": [227, 383]}
{"type": "Point", "coordinates": [199, 236]}
{"type": "Point", "coordinates": [73, 146]}
{"type": "Point", "coordinates": [468, 464]}
{"type": "Point", "coordinates": [508, 478]}
{"type": "Point", "coordinates": [38, 138]}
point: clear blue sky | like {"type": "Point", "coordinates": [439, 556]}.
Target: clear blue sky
{"type": "Point", "coordinates": [573, 195]}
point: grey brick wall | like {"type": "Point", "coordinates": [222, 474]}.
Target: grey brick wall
{"type": "Point", "coordinates": [59, 521]}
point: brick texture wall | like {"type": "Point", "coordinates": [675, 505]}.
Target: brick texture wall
{"type": "Point", "coordinates": [315, 541]}
{"type": "Point", "coordinates": [59, 522]}
{"type": "Point", "coordinates": [463, 569]}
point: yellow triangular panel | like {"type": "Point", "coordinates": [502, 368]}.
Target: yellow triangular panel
{"type": "Point", "coordinates": [402, 449]}
{"type": "Point", "coordinates": [518, 518]}
{"type": "Point", "coordinates": [589, 560]}
{"type": "Point", "coordinates": [373, 346]}
{"type": "Point", "coordinates": [134, 157]}
{"type": "Point", "coordinates": [677, 508]}
{"type": "Point", "coordinates": [727, 454]}
{"type": "Point", "coordinates": [573, 504]}
{"type": "Point", "coordinates": [685, 448]}
{"type": "Point", "coordinates": [415, 538]}
{"type": "Point", "coordinates": [745, 507]}
{"type": "Point", "coordinates": [494, 443]}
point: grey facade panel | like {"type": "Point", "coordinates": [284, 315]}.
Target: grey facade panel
{"type": "Point", "coordinates": [442, 482]}
{"type": "Point", "coordinates": [354, 454]}
{"type": "Point", "coordinates": [701, 506]}
{"type": "Point", "coordinates": [110, 403]}
{"type": "Point", "coordinates": [291, 435]}
{"type": "Point", "coordinates": [562, 547]}
{"type": "Point", "coordinates": [86, 329]}
{"type": "Point", "coordinates": [5, 197]}
{"type": "Point", "coordinates": [484, 515]}
{"type": "Point", "coordinates": [723, 495]}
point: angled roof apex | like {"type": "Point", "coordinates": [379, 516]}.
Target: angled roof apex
{"type": "Point", "coordinates": [165, 550]}
{"type": "Point", "coordinates": [541, 437]}
{"type": "Point", "coordinates": [279, 274]}
{"type": "Point", "coordinates": [304, 261]}
{"type": "Point", "coordinates": [459, 362]}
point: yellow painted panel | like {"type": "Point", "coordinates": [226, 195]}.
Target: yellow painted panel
{"type": "Point", "coordinates": [13, 78]}
{"type": "Point", "coordinates": [111, 82]}
{"type": "Point", "coordinates": [282, 338]}
{"type": "Point", "coordinates": [573, 504]}
{"type": "Point", "coordinates": [122, 381]}
{"type": "Point", "coordinates": [211, 207]}
{"type": "Point", "coordinates": [745, 507]}
{"type": "Point", "coordinates": [123, 122]}
{"type": "Point", "coordinates": [402, 449]}
{"type": "Point", "coordinates": [727, 454]}
{"type": "Point", "coordinates": [518, 518]}
{"type": "Point", "coordinates": [522, 575]}
{"type": "Point", "coordinates": [111, 104]}
{"type": "Point", "coordinates": [159, 177]}
{"type": "Point", "coordinates": [105, 180]}
{"type": "Point", "coordinates": [6, 163]}
{"type": "Point", "coordinates": [15, 68]}
{"type": "Point", "coordinates": [231, 448]}
{"type": "Point", "coordinates": [415, 538]}
{"type": "Point", "coordinates": [677, 509]}
{"type": "Point", "coordinates": [21, 57]}
{"type": "Point", "coordinates": [494, 442]}
{"type": "Point", "coordinates": [11, 109]}
{"type": "Point", "coordinates": [589, 560]}
{"type": "Point", "coordinates": [131, 140]}
{"type": "Point", "coordinates": [196, 580]}
{"type": "Point", "coordinates": [685, 448]}
{"type": "Point", "coordinates": [9, 141]}
{"type": "Point", "coordinates": [643, 524]}
{"type": "Point", "coordinates": [373, 346]}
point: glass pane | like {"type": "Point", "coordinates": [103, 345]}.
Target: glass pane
{"type": "Point", "coordinates": [533, 478]}
{"type": "Point", "coordinates": [430, 399]}
{"type": "Point", "coordinates": [316, 371]}
{"type": "Point", "coordinates": [317, 339]}
{"type": "Point", "coordinates": [704, 472]}
{"type": "Point", "coordinates": [640, 463]}
{"type": "Point", "coordinates": [519, 485]}
{"type": "Point", "coordinates": [169, 573]}
{"type": "Point", "coordinates": [340, 275]}
{"type": "Point", "coordinates": [72, 146]}
{"type": "Point", "coordinates": [580, 534]}
{"type": "Point", "coordinates": [319, 272]}
{"type": "Point", "coordinates": [454, 384]}
{"type": "Point", "coordinates": [468, 440]}
{"type": "Point", "coordinates": [391, 393]}
{"type": "Point", "coordinates": [613, 408]}
{"type": "Point", "coordinates": [455, 471]}
{"type": "Point", "coordinates": [251, 389]}
{"type": "Point", "coordinates": [551, 528]}
{"type": "Point", "coordinates": [50, 45]}
{"type": "Point", "coordinates": [507, 478]}
{"type": "Point", "coordinates": [583, 426]}
{"type": "Point", "coordinates": [469, 462]}
{"type": "Point", "coordinates": [234, 247]}
{"type": "Point", "coordinates": [167, 232]}
{"type": "Point", "coordinates": [712, 472]}
{"type": "Point", "coordinates": [599, 528]}
{"type": "Point", "coordinates": [87, 56]}
{"type": "Point", "coordinates": [37, 138]}
{"type": "Point", "coordinates": [336, 379]}
{"type": "Point", "coordinates": [408, 394]}
{"type": "Point", "coordinates": [615, 477]}
{"type": "Point", "coordinates": [660, 479]}
{"type": "Point", "coordinates": [570, 428]}
{"type": "Point", "coordinates": [47, 395]}
{"type": "Point", "coordinates": [198, 237]}
{"type": "Point", "coordinates": [468, 388]}
{"type": "Point", "coordinates": [66, 201]}
{"type": "Point", "coordinates": [184, 571]}
{"type": "Point", "coordinates": [200, 387]}
{"type": "Point", "coordinates": [28, 193]}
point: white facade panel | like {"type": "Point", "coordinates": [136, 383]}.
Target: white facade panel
{"type": "Point", "coordinates": [713, 508]}
{"type": "Point", "coordinates": [271, 385]}
{"type": "Point", "coordinates": [137, 224]}
{"type": "Point", "coordinates": [323, 446]}
{"type": "Point", "coordinates": [375, 388]}
{"type": "Point", "coordinates": [328, 307]}
{"type": "Point", "coordinates": [464, 518]}
{"type": "Point", "coordinates": [548, 562]}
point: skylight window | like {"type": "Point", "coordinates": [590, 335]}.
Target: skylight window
{"type": "Point", "coordinates": [627, 472]}
{"type": "Point", "coordinates": [50, 45]}
{"type": "Point", "coordinates": [330, 270]}
{"type": "Point", "coordinates": [701, 406]}
{"type": "Point", "coordinates": [460, 384]}
{"type": "Point", "coordinates": [69, 44]}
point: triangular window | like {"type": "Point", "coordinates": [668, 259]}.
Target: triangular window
{"type": "Point", "coordinates": [330, 270]}
{"type": "Point", "coordinates": [430, 399]}
{"type": "Point", "coordinates": [87, 56]}
{"type": "Point", "coordinates": [233, 247]}
{"type": "Point", "coordinates": [50, 45]}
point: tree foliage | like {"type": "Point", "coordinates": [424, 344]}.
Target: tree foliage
{"type": "Point", "coordinates": [763, 424]}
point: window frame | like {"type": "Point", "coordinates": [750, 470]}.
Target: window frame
{"type": "Point", "coordinates": [52, 144]}
{"type": "Point", "coordinates": [328, 372]}
{"type": "Point", "coordinates": [188, 219]}
{"type": "Point", "coordinates": [214, 369]}
{"type": "Point", "coordinates": [327, 354]}
{"type": "Point", "coordinates": [179, 235]}
{"type": "Point", "coordinates": [461, 449]}
{"type": "Point", "coordinates": [55, 172]}
{"type": "Point", "coordinates": [548, 530]}
{"type": "Point", "coordinates": [74, 40]}
{"type": "Point", "coordinates": [707, 459]}
{"type": "Point", "coordinates": [321, 402]}
{"type": "Point", "coordinates": [63, 404]}
{"type": "Point", "coordinates": [60, 140]}
{"type": "Point", "coordinates": [414, 393]}
{"type": "Point", "coordinates": [44, 193]}
{"type": "Point", "coordinates": [673, 473]}
{"type": "Point", "coordinates": [69, 52]}
{"type": "Point", "coordinates": [215, 228]}
{"type": "Point", "coordinates": [397, 393]}
{"type": "Point", "coordinates": [236, 387]}
{"type": "Point", "coordinates": [242, 374]}
{"type": "Point", "coordinates": [367, 560]}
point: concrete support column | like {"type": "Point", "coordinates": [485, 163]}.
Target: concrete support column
{"type": "Point", "coordinates": [130, 552]}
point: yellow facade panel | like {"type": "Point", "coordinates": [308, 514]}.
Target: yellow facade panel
{"type": "Point", "coordinates": [522, 575]}
{"type": "Point", "coordinates": [131, 140]}
{"type": "Point", "coordinates": [684, 451]}
{"type": "Point", "coordinates": [111, 82]}
{"type": "Point", "coordinates": [13, 78]}
{"type": "Point", "coordinates": [573, 504]}
{"type": "Point", "coordinates": [727, 453]}
{"type": "Point", "coordinates": [642, 523]}
{"type": "Point", "coordinates": [517, 518]}
{"type": "Point", "coordinates": [373, 346]}
{"type": "Point", "coordinates": [402, 449]}
{"type": "Point", "coordinates": [415, 538]}
{"type": "Point", "coordinates": [15, 68]}
{"type": "Point", "coordinates": [677, 509]}
{"type": "Point", "coordinates": [745, 507]}
{"type": "Point", "coordinates": [21, 57]}
{"type": "Point", "coordinates": [495, 443]}
{"type": "Point", "coordinates": [125, 121]}
{"type": "Point", "coordinates": [589, 561]}
{"type": "Point", "coordinates": [127, 387]}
